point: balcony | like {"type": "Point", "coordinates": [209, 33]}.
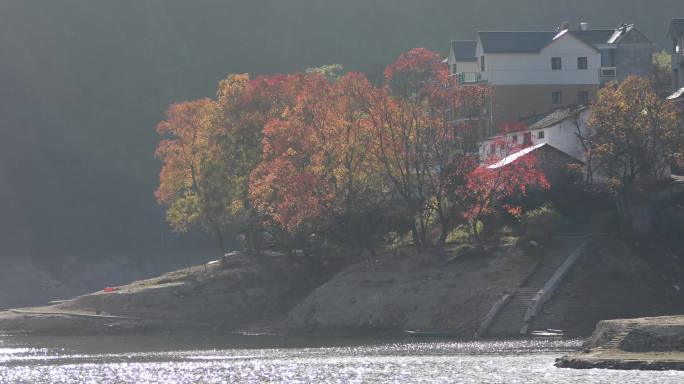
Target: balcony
{"type": "Point", "coordinates": [678, 58]}
{"type": "Point", "coordinates": [469, 77]}
{"type": "Point", "coordinates": [607, 74]}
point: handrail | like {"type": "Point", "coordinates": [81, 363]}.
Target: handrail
{"type": "Point", "coordinates": [491, 315]}
{"type": "Point", "coordinates": [469, 77]}
{"type": "Point", "coordinates": [552, 284]}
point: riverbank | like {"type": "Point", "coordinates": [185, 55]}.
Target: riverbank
{"type": "Point", "coordinates": [399, 290]}
{"type": "Point", "coordinates": [239, 291]}
{"type": "Point", "coordinates": [655, 343]}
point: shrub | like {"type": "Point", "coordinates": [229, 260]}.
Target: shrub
{"type": "Point", "coordinates": [541, 222]}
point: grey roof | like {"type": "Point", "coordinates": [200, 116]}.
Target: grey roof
{"type": "Point", "coordinates": [676, 27]}
{"type": "Point", "coordinates": [541, 147]}
{"type": "Point", "coordinates": [515, 41]}
{"type": "Point", "coordinates": [594, 36]}
{"type": "Point", "coordinates": [464, 50]}
{"type": "Point", "coordinates": [677, 95]}
{"type": "Point", "coordinates": [623, 32]}
{"type": "Point", "coordinates": [534, 42]}
{"type": "Point", "coordinates": [557, 116]}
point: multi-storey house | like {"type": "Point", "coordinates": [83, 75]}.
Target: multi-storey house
{"type": "Point", "coordinates": [676, 33]}
{"type": "Point", "coordinates": [534, 73]}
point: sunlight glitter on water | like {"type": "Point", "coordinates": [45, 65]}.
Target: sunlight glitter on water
{"type": "Point", "coordinates": [522, 361]}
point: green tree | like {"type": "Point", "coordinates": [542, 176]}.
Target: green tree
{"type": "Point", "coordinates": [192, 182]}
{"type": "Point", "coordinates": [331, 72]}
{"type": "Point", "coordinates": [245, 106]}
{"type": "Point", "coordinates": [662, 73]}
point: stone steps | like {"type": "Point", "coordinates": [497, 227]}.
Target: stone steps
{"type": "Point", "coordinates": [614, 342]}
{"type": "Point", "coordinates": [510, 321]}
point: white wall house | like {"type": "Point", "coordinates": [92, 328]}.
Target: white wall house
{"type": "Point", "coordinates": [560, 129]}
{"type": "Point", "coordinates": [676, 33]}
{"type": "Point", "coordinates": [536, 58]}
{"type": "Point", "coordinates": [462, 60]}
{"type": "Point", "coordinates": [535, 72]}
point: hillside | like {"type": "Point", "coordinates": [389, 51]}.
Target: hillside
{"type": "Point", "coordinates": [398, 291]}
{"type": "Point", "coordinates": [85, 82]}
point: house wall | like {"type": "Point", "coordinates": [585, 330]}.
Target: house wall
{"type": "Point", "coordinates": [513, 102]}
{"type": "Point", "coordinates": [461, 66]}
{"type": "Point", "coordinates": [535, 68]}
{"type": "Point", "coordinates": [555, 167]}
{"type": "Point", "coordinates": [467, 66]}
{"type": "Point", "coordinates": [634, 59]}
{"type": "Point", "coordinates": [562, 136]}
{"type": "Point", "coordinates": [678, 62]}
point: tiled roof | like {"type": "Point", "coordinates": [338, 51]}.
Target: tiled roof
{"type": "Point", "coordinates": [515, 156]}
{"type": "Point", "coordinates": [515, 41]}
{"type": "Point", "coordinates": [464, 50]}
{"type": "Point", "coordinates": [534, 42]}
{"type": "Point", "coordinates": [557, 116]}
{"type": "Point", "coordinates": [678, 95]}
{"type": "Point", "coordinates": [512, 158]}
{"type": "Point", "coordinates": [594, 36]}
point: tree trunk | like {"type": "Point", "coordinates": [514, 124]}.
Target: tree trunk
{"type": "Point", "coordinates": [416, 237]}
{"type": "Point", "coordinates": [445, 231]}
{"type": "Point", "coordinates": [476, 234]}
{"type": "Point", "coordinates": [219, 238]}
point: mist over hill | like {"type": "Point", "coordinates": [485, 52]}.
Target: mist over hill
{"type": "Point", "coordinates": [84, 82]}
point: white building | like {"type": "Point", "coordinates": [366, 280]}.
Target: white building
{"type": "Point", "coordinates": [463, 60]}
{"type": "Point", "coordinates": [560, 129]}
{"type": "Point", "coordinates": [536, 58]}
{"type": "Point", "coordinates": [536, 72]}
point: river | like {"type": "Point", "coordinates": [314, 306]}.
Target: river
{"type": "Point", "coordinates": [231, 359]}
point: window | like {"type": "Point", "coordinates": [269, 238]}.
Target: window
{"type": "Point", "coordinates": [453, 69]}
{"type": "Point", "coordinates": [556, 63]}
{"type": "Point", "coordinates": [492, 148]}
{"type": "Point", "coordinates": [607, 57]}
{"type": "Point", "coordinates": [582, 63]}
{"type": "Point", "coordinates": [540, 135]}
{"type": "Point", "coordinates": [514, 139]}
{"type": "Point", "coordinates": [527, 138]}
{"type": "Point", "coordinates": [556, 97]}
{"type": "Point", "coordinates": [583, 97]}
{"type": "Point", "coordinates": [482, 63]}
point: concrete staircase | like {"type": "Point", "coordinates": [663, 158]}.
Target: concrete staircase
{"type": "Point", "coordinates": [614, 342]}
{"type": "Point", "coordinates": [512, 319]}
{"type": "Point", "coordinates": [509, 320]}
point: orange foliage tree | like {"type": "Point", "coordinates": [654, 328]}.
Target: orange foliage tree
{"type": "Point", "coordinates": [314, 172]}
{"type": "Point", "coordinates": [485, 189]}
{"type": "Point", "coordinates": [245, 107]}
{"type": "Point", "coordinates": [192, 182]}
{"type": "Point", "coordinates": [335, 158]}
{"type": "Point", "coordinates": [419, 138]}
{"type": "Point", "coordinates": [635, 134]}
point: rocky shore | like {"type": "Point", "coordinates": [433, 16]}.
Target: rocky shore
{"type": "Point", "coordinates": [654, 343]}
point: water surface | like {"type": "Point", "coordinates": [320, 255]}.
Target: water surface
{"type": "Point", "coordinates": [222, 359]}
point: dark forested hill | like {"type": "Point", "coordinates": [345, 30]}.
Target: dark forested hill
{"type": "Point", "coordinates": [83, 83]}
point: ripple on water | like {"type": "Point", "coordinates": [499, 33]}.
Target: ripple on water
{"type": "Point", "coordinates": [522, 361]}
